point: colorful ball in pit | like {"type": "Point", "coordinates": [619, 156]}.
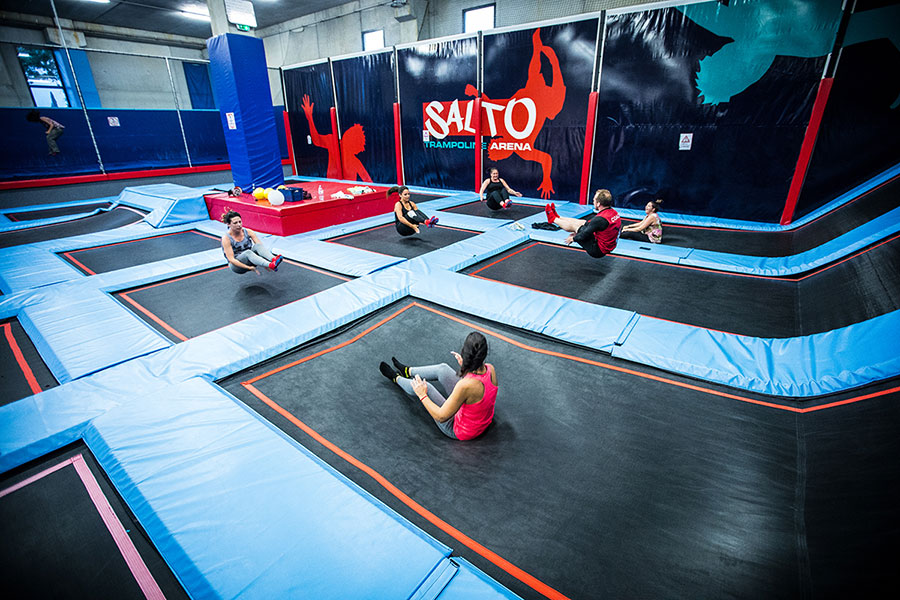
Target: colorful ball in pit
{"type": "Point", "coordinates": [276, 198]}
{"type": "Point", "coordinates": [259, 193]}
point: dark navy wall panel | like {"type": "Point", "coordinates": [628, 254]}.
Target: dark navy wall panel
{"type": "Point", "coordinates": [142, 139]}
{"type": "Point", "coordinates": [860, 132]}
{"type": "Point", "coordinates": [438, 72]}
{"type": "Point", "coordinates": [663, 75]}
{"type": "Point", "coordinates": [365, 103]}
{"type": "Point", "coordinates": [550, 66]}
{"type": "Point", "coordinates": [313, 83]}
{"type": "Point", "coordinates": [205, 137]}
{"type": "Point", "coordinates": [25, 155]}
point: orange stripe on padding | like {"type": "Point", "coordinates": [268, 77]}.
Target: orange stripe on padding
{"type": "Point", "coordinates": [152, 316]}
{"type": "Point", "coordinates": [20, 359]}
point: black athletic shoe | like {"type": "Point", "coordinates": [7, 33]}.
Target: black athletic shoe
{"type": "Point", "coordinates": [388, 372]}
{"type": "Point", "coordinates": [404, 370]}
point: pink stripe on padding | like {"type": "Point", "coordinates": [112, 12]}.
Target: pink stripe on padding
{"type": "Point", "coordinates": [135, 563]}
{"type": "Point", "coordinates": [34, 478]}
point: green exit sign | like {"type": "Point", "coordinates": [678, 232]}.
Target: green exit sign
{"type": "Point", "coordinates": [243, 27]}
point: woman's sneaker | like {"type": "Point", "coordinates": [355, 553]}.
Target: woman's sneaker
{"type": "Point", "coordinates": [275, 262]}
{"type": "Point", "coordinates": [431, 222]}
{"type": "Point", "coordinates": [506, 204]}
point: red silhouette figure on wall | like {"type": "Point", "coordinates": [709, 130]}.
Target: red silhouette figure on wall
{"type": "Point", "coordinates": [516, 133]}
{"type": "Point", "coordinates": [340, 152]}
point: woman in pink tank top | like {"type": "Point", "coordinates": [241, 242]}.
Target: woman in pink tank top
{"type": "Point", "coordinates": [469, 408]}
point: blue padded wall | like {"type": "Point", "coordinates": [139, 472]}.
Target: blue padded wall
{"type": "Point", "coordinates": [241, 82]}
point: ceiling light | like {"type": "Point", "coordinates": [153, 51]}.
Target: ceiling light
{"type": "Point", "coordinates": [24, 55]}
{"type": "Point", "coordinates": [195, 16]}
{"type": "Point", "coordinates": [200, 13]}
{"type": "Point", "coordinates": [99, 1]}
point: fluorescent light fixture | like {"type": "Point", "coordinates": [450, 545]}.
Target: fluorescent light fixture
{"type": "Point", "coordinates": [198, 13]}
{"type": "Point", "coordinates": [24, 55]}
{"type": "Point", "coordinates": [99, 1]}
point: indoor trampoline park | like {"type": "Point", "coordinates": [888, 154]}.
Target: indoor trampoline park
{"type": "Point", "coordinates": [450, 300]}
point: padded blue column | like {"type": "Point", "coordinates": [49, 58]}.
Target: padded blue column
{"type": "Point", "coordinates": [241, 82]}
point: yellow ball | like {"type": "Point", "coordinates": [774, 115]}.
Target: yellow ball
{"type": "Point", "coordinates": [259, 193]}
{"type": "Point", "coordinates": [282, 187]}
{"type": "Point", "coordinates": [268, 191]}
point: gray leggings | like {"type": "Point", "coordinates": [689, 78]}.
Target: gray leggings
{"type": "Point", "coordinates": [258, 256]}
{"type": "Point", "coordinates": [443, 374]}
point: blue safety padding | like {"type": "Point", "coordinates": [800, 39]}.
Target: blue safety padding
{"type": "Point", "coordinates": [170, 204]}
{"type": "Point", "coordinates": [812, 365]}
{"type": "Point", "coordinates": [241, 83]}
{"type": "Point", "coordinates": [26, 267]}
{"type": "Point", "coordinates": [346, 260]}
{"type": "Point", "coordinates": [54, 205]}
{"type": "Point", "coordinates": [877, 229]}
{"type": "Point", "coordinates": [20, 225]}
{"type": "Point", "coordinates": [33, 426]}
{"type": "Point", "coordinates": [470, 583]}
{"type": "Point", "coordinates": [461, 221]}
{"type": "Point", "coordinates": [79, 334]}
{"type": "Point", "coordinates": [37, 265]}
{"type": "Point", "coordinates": [469, 251]}
{"type": "Point", "coordinates": [208, 479]}
{"type": "Point", "coordinates": [682, 219]}
{"type": "Point", "coordinates": [864, 235]}
{"type": "Point", "coordinates": [142, 139]}
{"type": "Point", "coordinates": [196, 75]}
{"type": "Point", "coordinates": [205, 138]}
{"type": "Point", "coordinates": [351, 227]}
{"type": "Point", "coordinates": [577, 322]}
{"type": "Point", "coordinates": [3, 221]}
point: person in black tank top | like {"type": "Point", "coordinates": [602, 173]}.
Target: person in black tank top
{"type": "Point", "coordinates": [496, 191]}
{"type": "Point", "coordinates": [242, 247]}
{"type": "Point", "coordinates": [407, 216]}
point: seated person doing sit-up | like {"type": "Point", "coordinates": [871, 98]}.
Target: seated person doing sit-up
{"type": "Point", "coordinates": [599, 233]}
{"type": "Point", "coordinates": [243, 249]}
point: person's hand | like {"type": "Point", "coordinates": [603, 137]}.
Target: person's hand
{"type": "Point", "coordinates": [256, 270]}
{"type": "Point", "coordinates": [420, 387]}
{"type": "Point", "coordinates": [305, 105]}
{"type": "Point", "coordinates": [457, 357]}
{"type": "Point", "coordinates": [416, 228]}
{"type": "Point", "coordinates": [570, 239]}
{"type": "Point", "coordinates": [519, 194]}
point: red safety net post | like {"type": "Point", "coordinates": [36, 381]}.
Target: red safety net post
{"type": "Point", "coordinates": [290, 142]}
{"type": "Point", "coordinates": [397, 149]}
{"type": "Point", "coordinates": [478, 151]}
{"type": "Point", "coordinates": [588, 146]}
{"type": "Point", "coordinates": [337, 136]}
{"type": "Point", "coordinates": [806, 150]}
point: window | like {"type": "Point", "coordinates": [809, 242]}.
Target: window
{"type": "Point", "coordinates": [476, 19]}
{"type": "Point", "coordinates": [42, 74]}
{"type": "Point", "coordinates": [373, 40]}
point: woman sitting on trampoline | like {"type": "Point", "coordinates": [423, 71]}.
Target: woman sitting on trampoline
{"type": "Point", "coordinates": [651, 225]}
{"type": "Point", "coordinates": [599, 234]}
{"type": "Point", "coordinates": [407, 216]}
{"type": "Point", "coordinates": [242, 246]}
{"type": "Point", "coordinates": [496, 191]}
{"type": "Point", "coordinates": [469, 409]}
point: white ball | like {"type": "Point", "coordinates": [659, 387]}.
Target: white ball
{"type": "Point", "coordinates": [276, 198]}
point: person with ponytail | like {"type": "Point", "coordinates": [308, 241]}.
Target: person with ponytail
{"type": "Point", "coordinates": [407, 216]}
{"type": "Point", "coordinates": [651, 225]}
{"type": "Point", "coordinates": [469, 408]}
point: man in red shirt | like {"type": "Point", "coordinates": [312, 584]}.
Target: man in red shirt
{"type": "Point", "coordinates": [599, 234]}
